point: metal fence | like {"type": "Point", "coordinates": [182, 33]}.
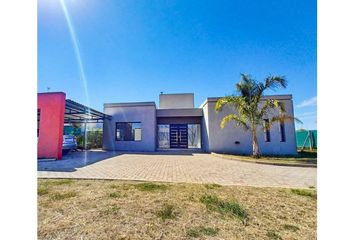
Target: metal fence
{"type": "Point", "coordinates": [306, 139]}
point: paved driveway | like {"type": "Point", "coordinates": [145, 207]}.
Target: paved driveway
{"type": "Point", "coordinates": [169, 167]}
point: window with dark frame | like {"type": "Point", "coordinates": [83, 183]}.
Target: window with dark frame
{"type": "Point", "coordinates": [282, 131]}
{"type": "Point", "coordinates": [128, 131]}
{"type": "Point", "coordinates": [38, 121]}
{"type": "Point", "coordinates": [266, 130]}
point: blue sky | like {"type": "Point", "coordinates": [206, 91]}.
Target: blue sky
{"type": "Point", "coordinates": [131, 50]}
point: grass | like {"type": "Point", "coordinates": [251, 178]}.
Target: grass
{"type": "Point", "coordinates": [42, 190]}
{"type": "Point", "coordinates": [59, 182]}
{"type": "Point", "coordinates": [273, 235]}
{"type": "Point", "coordinates": [62, 196]}
{"type": "Point", "coordinates": [305, 157]}
{"type": "Point", "coordinates": [111, 210]}
{"type": "Point", "coordinates": [212, 186]}
{"type": "Point", "coordinates": [114, 195]}
{"type": "Point", "coordinates": [166, 212]}
{"type": "Point", "coordinates": [174, 211]}
{"type": "Point", "coordinates": [224, 207]}
{"type": "Point", "coordinates": [150, 187]}
{"type": "Point", "coordinates": [305, 192]}
{"type": "Point", "coordinates": [200, 231]}
{"type": "Point", "coordinates": [291, 227]}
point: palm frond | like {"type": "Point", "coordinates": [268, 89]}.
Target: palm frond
{"type": "Point", "coordinates": [285, 118]}
{"type": "Point", "coordinates": [231, 100]}
{"type": "Point", "coordinates": [233, 117]}
{"type": "Point", "coordinates": [271, 104]}
{"type": "Point", "coordinates": [275, 82]}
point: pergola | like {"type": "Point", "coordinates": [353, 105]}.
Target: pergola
{"type": "Point", "coordinates": [53, 110]}
{"type": "Point", "coordinates": [78, 113]}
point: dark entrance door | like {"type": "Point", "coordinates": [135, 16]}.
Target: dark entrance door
{"type": "Point", "coordinates": [178, 136]}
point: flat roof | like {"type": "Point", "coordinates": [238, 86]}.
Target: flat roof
{"type": "Point", "coordinates": [278, 97]}
{"type": "Point", "coordinates": [180, 112]}
{"type": "Point", "coordinates": [129, 104]}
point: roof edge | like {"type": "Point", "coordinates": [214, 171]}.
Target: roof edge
{"type": "Point", "coordinates": [279, 97]}
{"type": "Point", "coordinates": [129, 104]}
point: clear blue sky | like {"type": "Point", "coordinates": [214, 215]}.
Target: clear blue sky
{"type": "Point", "coordinates": [131, 50]}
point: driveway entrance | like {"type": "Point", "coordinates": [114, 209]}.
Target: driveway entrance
{"type": "Point", "coordinates": [176, 167]}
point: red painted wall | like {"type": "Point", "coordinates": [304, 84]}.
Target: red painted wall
{"type": "Point", "coordinates": [51, 127]}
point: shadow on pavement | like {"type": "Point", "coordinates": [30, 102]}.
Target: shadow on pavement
{"type": "Point", "coordinates": [73, 160]}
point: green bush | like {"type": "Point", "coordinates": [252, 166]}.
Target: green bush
{"type": "Point", "coordinates": [94, 139]}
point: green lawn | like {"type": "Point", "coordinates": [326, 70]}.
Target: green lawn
{"type": "Point", "coordinates": [102, 209]}
{"type": "Point", "coordinates": [306, 157]}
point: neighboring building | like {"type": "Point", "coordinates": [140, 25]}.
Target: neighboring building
{"type": "Point", "coordinates": [177, 124]}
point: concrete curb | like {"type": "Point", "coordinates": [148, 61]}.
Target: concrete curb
{"type": "Point", "coordinates": [265, 163]}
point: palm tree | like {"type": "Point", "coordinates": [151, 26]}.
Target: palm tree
{"type": "Point", "coordinates": [250, 109]}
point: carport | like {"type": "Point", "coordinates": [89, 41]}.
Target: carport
{"type": "Point", "coordinates": [53, 111]}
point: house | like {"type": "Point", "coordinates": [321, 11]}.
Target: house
{"type": "Point", "coordinates": [177, 124]}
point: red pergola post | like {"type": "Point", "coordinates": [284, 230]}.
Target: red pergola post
{"type": "Point", "coordinates": [51, 124]}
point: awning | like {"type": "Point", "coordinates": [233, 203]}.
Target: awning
{"type": "Point", "coordinates": [78, 113]}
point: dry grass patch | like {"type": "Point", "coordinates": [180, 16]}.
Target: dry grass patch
{"type": "Point", "coordinates": [173, 211]}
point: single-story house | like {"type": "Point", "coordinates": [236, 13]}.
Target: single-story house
{"type": "Point", "coordinates": [177, 124]}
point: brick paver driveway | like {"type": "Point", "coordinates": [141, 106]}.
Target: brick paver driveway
{"type": "Point", "coordinates": [186, 167]}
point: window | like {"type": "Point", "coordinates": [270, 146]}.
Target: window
{"type": "Point", "coordinates": [266, 130]}
{"type": "Point", "coordinates": [194, 136]}
{"type": "Point", "coordinates": [282, 132]}
{"type": "Point", "coordinates": [163, 135]}
{"type": "Point", "coordinates": [128, 131]}
{"type": "Point", "coordinates": [38, 121]}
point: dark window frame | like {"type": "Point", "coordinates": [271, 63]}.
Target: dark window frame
{"type": "Point", "coordinates": [38, 121]}
{"type": "Point", "coordinates": [118, 140]}
{"type": "Point", "coordinates": [282, 131]}
{"type": "Point", "coordinates": [266, 131]}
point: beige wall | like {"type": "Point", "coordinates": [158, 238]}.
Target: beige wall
{"type": "Point", "coordinates": [176, 101]}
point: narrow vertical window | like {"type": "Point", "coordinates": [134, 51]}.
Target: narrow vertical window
{"type": "Point", "coordinates": [38, 121]}
{"type": "Point", "coordinates": [266, 130]}
{"type": "Point", "coordinates": [282, 131]}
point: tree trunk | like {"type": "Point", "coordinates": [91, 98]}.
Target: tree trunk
{"type": "Point", "coordinates": [255, 153]}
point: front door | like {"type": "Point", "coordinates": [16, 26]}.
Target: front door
{"type": "Point", "coordinates": [178, 136]}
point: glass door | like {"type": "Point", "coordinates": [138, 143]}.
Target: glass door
{"type": "Point", "coordinates": [179, 136]}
